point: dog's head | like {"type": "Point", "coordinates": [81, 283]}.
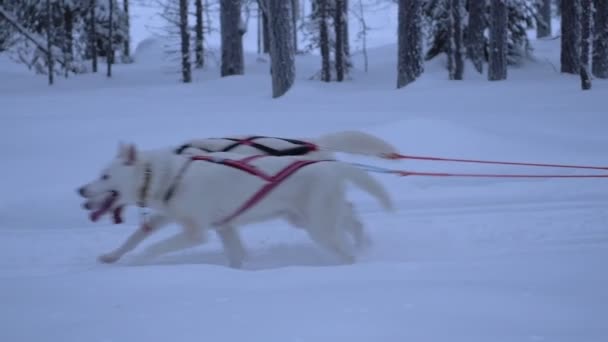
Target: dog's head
{"type": "Point", "coordinates": [115, 187]}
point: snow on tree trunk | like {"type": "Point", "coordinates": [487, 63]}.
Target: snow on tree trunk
{"type": "Point", "coordinates": [232, 40]}
{"type": "Point", "coordinates": [570, 37]}
{"type": "Point", "coordinates": [339, 36]}
{"type": "Point", "coordinates": [497, 67]}
{"type": "Point", "coordinates": [127, 38]}
{"type": "Point", "coordinates": [455, 58]}
{"type": "Point", "coordinates": [600, 43]}
{"type": "Point", "coordinates": [475, 40]}
{"type": "Point", "coordinates": [93, 35]}
{"type": "Point", "coordinates": [110, 51]}
{"type": "Point", "coordinates": [199, 38]}
{"type": "Point", "coordinates": [409, 59]}
{"type": "Point", "coordinates": [324, 40]}
{"type": "Point", "coordinates": [543, 19]}
{"type": "Point", "coordinates": [49, 40]}
{"type": "Point", "coordinates": [184, 32]}
{"type": "Point", "coordinates": [586, 13]}
{"type": "Point", "coordinates": [282, 54]}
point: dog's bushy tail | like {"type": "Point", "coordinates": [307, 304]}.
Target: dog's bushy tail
{"type": "Point", "coordinates": [355, 142]}
{"type": "Point", "coordinates": [367, 183]}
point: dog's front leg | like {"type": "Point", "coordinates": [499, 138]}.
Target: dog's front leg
{"type": "Point", "coordinates": [233, 247]}
{"type": "Point", "coordinates": [192, 234]}
{"type": "Point", "coordinates": [155, 222]}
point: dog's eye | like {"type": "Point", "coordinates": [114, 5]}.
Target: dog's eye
{"type": "Point", "coordinates": [105, 177]}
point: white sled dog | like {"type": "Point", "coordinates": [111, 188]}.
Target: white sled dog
{"type": "Point", "coordinates": [223, 191]}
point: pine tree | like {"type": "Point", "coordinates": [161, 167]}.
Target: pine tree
{"type": "Point", "coordinates": [455, 33]}
{"type": "Point", "coordinates": [127, 40]}
{"type": "Point", "coordinates": [185, 41]}
{"type": "Point", "coordinates": [570, 37]}
{"type": "Point", "coordinates": [110, 43]}
{"type": "Point", "coordinates": [232, 41]}
{"type": "Point", "coordinates": [49, 41]}
{"type": "Point", "coordinates": [282, 53]}
{"type": "Point", "coordinates": [339, 37]}
{"type": "Point", "coordinates": [543, 21]}
{"type": "Point", "coordinates": [600, 43]}
{"type": "Point", "coordinates": [586, 20]}
{"type": "Point", "coordinates": [92, 41]}
{"type": "Point", "coordinates": [475, 40]}
{"type": "Point", "coordinates": [497, 68]}
{"type": "Point", "coordinates": [199, 58]}
{"type": "Point", "coordinates": [322, 17]}
{"type": "Point", "coordinates": [410, 64]}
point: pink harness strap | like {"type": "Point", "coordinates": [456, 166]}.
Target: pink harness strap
{"type": "Point", "coordinates": [243, 164]}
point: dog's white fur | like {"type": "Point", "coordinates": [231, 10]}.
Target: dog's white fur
{"type": "Point", "coordinates": [313, 198]}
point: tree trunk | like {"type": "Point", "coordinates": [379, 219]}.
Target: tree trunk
{"type": "Point", "coordinates": [294, 24]}
{"type": "Point", "coordinates": [265, 33]}
{"type": "Point", "coordinates": [543, 19]}
{"type": "Point", "coordinates": [199, 39]}
{"type": "Point", "coordinates": [455, 58]}
{"type": "Point", "coordinates": [68, 44]}
{"type": "Point", "coordinates": [339, 53]}
{"type": "Point", "coordinates": [49, 42]}
{"type": "Point", "coordinates": [93, 36]}
{"type": "Point", "coordinates": [282, 54]}
{"type": "Point", "coordinates": [184, 32]}
{"type": "Point", "coordinates": [127, 42]}
{"type": "Point", "coordinates": [600, 43]}
{"type": "Point", "coordinates": [475, 38]}
{"type": "Point", "coordinates": [409, 59]}
{"type": "Point", "coordinates": [570, 39]}
{"type": "Point", "coordinates": [324, 40]}
{"type": "Point", "coordinates": [345, 40]}
{"type": "Point", "coordinates": [497, 68]}
{"type": "Point", "coordinates": [232, 40]}
{"type": "Point", "coordinates": [586, 13]}
{"type": "Point", "coordinates": [110, 53]}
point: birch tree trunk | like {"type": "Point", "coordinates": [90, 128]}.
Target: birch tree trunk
{"type": "Point", "coordinates": [185, 41]}
{"type": "Point", "coordinates": [199, 39]}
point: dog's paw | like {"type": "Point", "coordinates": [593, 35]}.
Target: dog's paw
{"type": "Point", "coordinates": [108, 258]}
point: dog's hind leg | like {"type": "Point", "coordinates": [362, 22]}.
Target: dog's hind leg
{"type": "Point", "coordinates": [233, 246]}
{"type": "Point", "coordinates": [155, 223]}
{"type": "Point", "coordinates": [191, 235]}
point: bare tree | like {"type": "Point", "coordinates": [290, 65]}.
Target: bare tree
{"type": "Point", "coordinates": [282, 53]}
{"type": "Point", "coordinates": [570, 37]}
{"type": "Point", "coordinates": [232, 40]}
{"type": "Point", "coordinates": [497, 68]}
{"type": "Point", "coordinates": [475, 40]}
{"type": "Point", "coordinates": [600, 43]}
{"type": "Point", "coordinates": [586, 21]}
{"type": "Point", "coordinates": [409, 59]}
{"type": "Point", "coordinates": [543, 19]}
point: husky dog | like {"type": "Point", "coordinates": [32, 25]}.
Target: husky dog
{"type": "Point", "coordinates": [222, 191]}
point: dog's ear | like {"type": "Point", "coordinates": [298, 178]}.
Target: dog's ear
{"type": "Point", "coordinates": [127, 152]}
{"type": "Point", "coordinates": [130, 154]}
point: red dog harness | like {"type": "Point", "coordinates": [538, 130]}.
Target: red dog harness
{"type": "Point", "coordinates": [300, 147]}
{"type": "Point", "coordinates": [244, 165]}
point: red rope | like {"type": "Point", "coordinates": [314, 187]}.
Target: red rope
{"type": "Point", "coordinates": [402, 156]}
{"type": "Point", "coordinates": [483, 175]}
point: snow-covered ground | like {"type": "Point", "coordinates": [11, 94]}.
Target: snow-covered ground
{"type": "Point", "coordinates": [460, 259]}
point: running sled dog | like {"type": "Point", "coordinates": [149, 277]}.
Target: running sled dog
{"type": "Point", "coordinates": [222, 191]}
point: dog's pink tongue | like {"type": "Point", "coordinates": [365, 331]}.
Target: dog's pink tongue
{"type": "Point", "coordinates": [117, 215]}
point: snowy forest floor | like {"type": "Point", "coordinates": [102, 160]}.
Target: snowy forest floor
{"type": "Point", "coordinates": [460, 259]}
